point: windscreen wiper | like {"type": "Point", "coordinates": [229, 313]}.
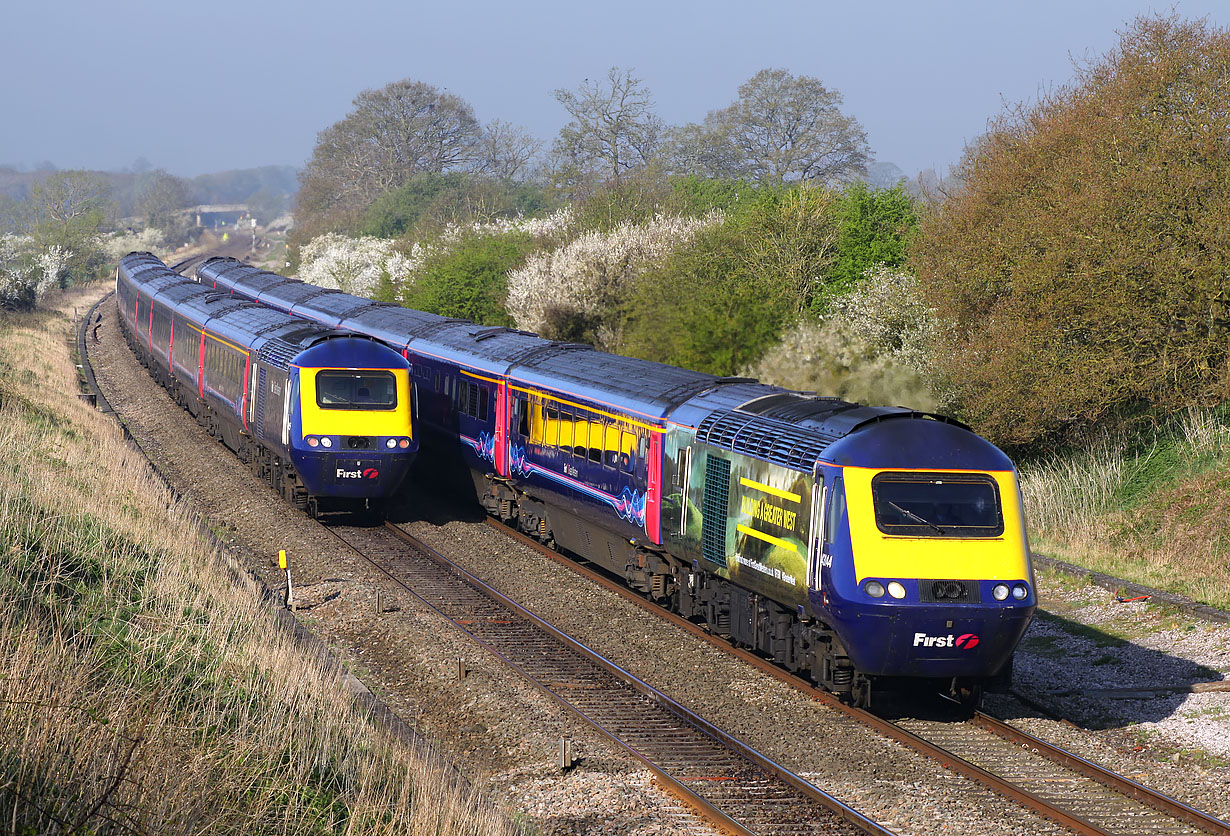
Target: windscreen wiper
{"type": "Point", "coordinates": [914, 516]}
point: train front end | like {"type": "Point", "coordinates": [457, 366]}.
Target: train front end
{"type": "Point", "coordinates": [928, 565]}
{"type": "Point", "coordinates": [351, 426]}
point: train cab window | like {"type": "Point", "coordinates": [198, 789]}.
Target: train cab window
{"type": "Point", "coordinates": [338, 389]}
{"type": "Point", "coordinates": [836, 510]}
{"type": "Point", "coordinates": [937, 504]}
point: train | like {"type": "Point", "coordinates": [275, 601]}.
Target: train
{"type": "Point", "coordinates": [867, 548]}
{"type": "Point", "coordinates": [325, 416]}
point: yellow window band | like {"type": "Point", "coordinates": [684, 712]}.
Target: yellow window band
{"type": "Point", "coordinates": [768, 538]}
{"type": "Point", "coordinates": [769, 489]}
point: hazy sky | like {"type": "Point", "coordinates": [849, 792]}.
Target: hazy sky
{"type": "Point", "coordinates": [198, 87]}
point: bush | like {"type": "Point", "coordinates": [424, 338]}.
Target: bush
{"type": "Point", "coordinates": [469, 279]}
{"type": "Point", "coordinates": [876, 226]}
{"type": "Point", "coordinates": [430, 202]}
{"type": "Point", "coordinates": [576, 292]}
{"type": "Point", "coordinates": [832, 358]}
{"type": "Point", "coordinates": [1081, 270]}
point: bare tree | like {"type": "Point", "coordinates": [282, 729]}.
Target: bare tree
{"type": "Point", "coordinates": [505, 151]}
{"type": "Point", "coordinates": [405, 128]}
{"type": "Point", "coordinates": [69, 204]}
{"type": "Point", "coordinates": [781, 128]}
{"type": "Point", "coordinates": [613, 129]}
{"type": "Point", "coordinates": [161, 195]}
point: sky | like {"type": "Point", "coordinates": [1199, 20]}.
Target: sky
{"type": "Point", "coordinates": [201, 87]}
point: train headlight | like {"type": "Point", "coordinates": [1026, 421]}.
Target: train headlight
{"type": "Point", "coordinates": [896, 590]}
{"type": "Point", "coordinates": [391, 443]}
{"type": "Point", "coordinates": [874, 588]}
{"type": "Point", "coordinates": [326, 441]}
{"type": "Point", "coordinates": [404, 443]}
{"type": "Point", "coordinates": [312, 441]}
{"type": "Point", "coordinates": [1000, 592]}
{"type": "Point", "coordinates": [1020, 592]}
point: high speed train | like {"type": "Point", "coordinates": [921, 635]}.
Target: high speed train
{"type": "Point", "coordinates": [324, 415]}
{"type": "Point", "coordinates": [866, 547]}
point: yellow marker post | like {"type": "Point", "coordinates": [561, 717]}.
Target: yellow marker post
{"type": "Point", "coordinates": [290, 590]}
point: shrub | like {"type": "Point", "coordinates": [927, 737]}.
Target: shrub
{"type": "Point", "coordinates": [469, 279]}
{"type": "Point", "coordinates": [577, 291]}
{"type": "Point", "coordinates": [1081, 268]}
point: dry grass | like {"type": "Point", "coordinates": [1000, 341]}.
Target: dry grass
{"type": "Point", "coordinates": [1156, 512]}
{"type": "Point", "coordinates": [142, 690]}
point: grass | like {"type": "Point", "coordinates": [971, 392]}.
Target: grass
{"type": "Point", "coordinates": [1152, 508]}
{"type": "Point", "coordinates": [141, 690]}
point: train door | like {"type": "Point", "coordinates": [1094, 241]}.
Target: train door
{"type": "Point", "coordinates": [501, 428]}
{"type": "Point", "coordinates": [815, 537]}
{"type": "Point", "coordinates": [653, 492]}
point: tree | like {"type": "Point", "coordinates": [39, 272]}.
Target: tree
{"type": "Point", "coordinates": [613, 130]}
{"type": "Point", "coordinates": [403, 129]}
{"type": "Point", "coordinates": [782, 128]}
{"type": "Point", "coordinates": [505, 151]}
{"type": "Point", "coordinates": [160, 197]}
{"type": "Point", "coordinates": [1080, 269]}
{"type": "Point", "coordinates": [68, 206]}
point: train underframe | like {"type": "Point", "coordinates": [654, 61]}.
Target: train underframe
{"type": "Point", "coordinates": [807, 647]}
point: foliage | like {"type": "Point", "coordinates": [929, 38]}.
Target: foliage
{"type": "Point", "coordinates": [696, 195]}
{"type": "Point", "coordinates": [887, 312]}
{"type": "Point", "coordinates": [613, 131]}
{"type": "Point", "coordinates": [428, 202]}
{"type": "Point", "coordinates": [782, 128]}
{"type": "Point", "coordinates": [1081, 269]}
{"type": "Point", "coordinates": [700, 308]}
{"type": "Point", "coordinates": [354, 265]}
{"type": "Point", "coordinates": [469, 279]}
{"type": "Point", "coordinates": [576, 292]}
{"type": "Point", "coordinates": [833, 357]}
{"type": "Point", "coordinates": [876, 228]}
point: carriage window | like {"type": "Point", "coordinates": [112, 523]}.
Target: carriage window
{"type": "Point", "coordinates": [580, 437]}
{"type": "Point", "coordinates": [627, 443]}
{"type": "Point", "coordinates": [337, 389]}
{"type": "Point", "coordinates": [523, 416]}
{"type": "Point", "coordinates": [937, 504]}
{"type": "Point", "coordinates": [550, 432]}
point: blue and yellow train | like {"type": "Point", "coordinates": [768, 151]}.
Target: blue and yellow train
{"type": "Point", "coordinates": [325, 416]}
{"type": "Point", "coordinates": [863, 546]}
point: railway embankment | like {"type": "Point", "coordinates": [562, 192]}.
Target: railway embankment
{"type": "Point", "coordinates": [143, 689]}
{"type": "Point", "coordinates": [506, 735]}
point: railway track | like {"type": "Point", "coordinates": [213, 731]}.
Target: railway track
{"type": "Point", "coordinates": [1056, 784]}
{"type": "Point", "coordinates": [726, 782]}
